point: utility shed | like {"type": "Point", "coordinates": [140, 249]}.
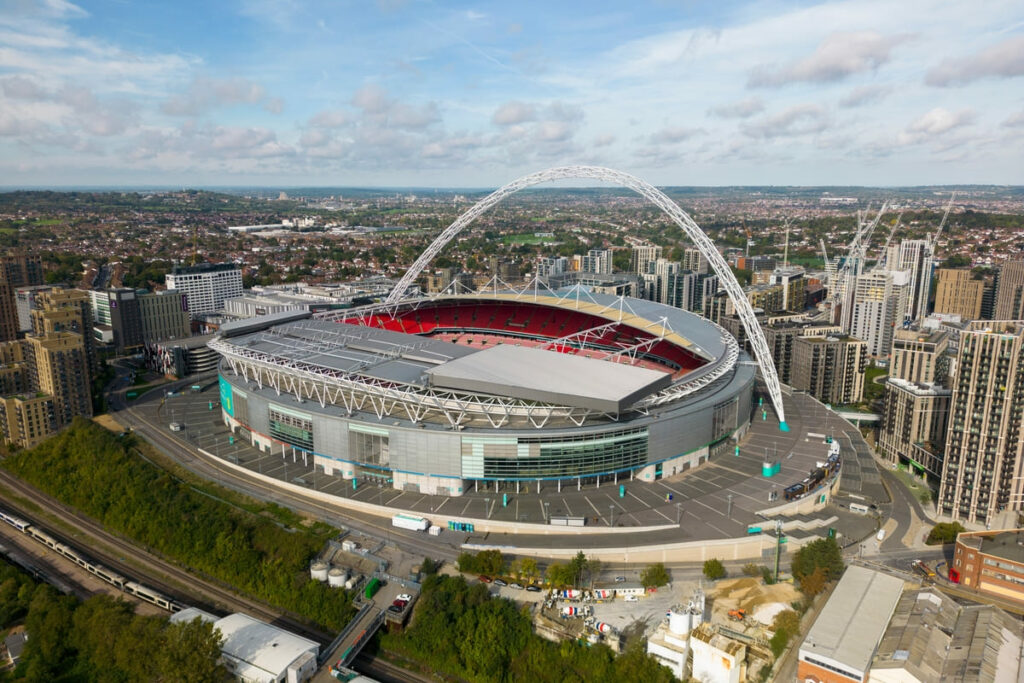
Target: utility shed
{"type": "Point", "coordinates": [931, 638]}
{"type": "Point", "coordinates": [841, 643]}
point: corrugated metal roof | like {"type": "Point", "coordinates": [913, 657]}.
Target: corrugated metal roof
{"type": "Point", "coordinates": [852, 622]}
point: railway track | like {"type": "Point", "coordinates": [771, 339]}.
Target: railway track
{"type": "Point", "coordinates": [160, 573]}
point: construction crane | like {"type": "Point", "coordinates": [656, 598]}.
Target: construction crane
{"type": "Point", "coordinates": [934, 239]}
{"type": "Point", "coordinates": [883, 258]}
{"type": "Point", "coordinates": [830, 266]}
{"type": "Point", "coordinates": [853, 266]}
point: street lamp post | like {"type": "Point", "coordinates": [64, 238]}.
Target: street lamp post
{"type": "Point", "coordinates": [730, 506]}
{"type": "Point", "coordinates": [679, 512]}
{"type": "Point", "coordinates": [611, 517]}
{"type": "Point", "coordinates": [547, 512]}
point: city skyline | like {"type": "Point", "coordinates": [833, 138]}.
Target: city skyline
{"type": "Point", "coordinates": [471, 95]}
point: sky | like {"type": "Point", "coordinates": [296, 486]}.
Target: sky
{"type": "Point", "coordinates": [450, 94]}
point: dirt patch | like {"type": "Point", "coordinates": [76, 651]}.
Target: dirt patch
{"type": "Point", "coordinates": [761, 602]}
{"type": "Point", "coordinates": [108, 423]}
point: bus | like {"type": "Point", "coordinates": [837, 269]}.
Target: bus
{"type": "Point", "coordinates": [371, 588]}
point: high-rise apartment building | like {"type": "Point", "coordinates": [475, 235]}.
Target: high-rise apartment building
{"type": "Point", "coordinates": [914, 257]}
{"type": "Point", "coordinates": [656, 279]}
{"type": "Point", "coordinates": [57, 366]}
{"type": "Point", "coordinates": [551, 265]}
{"type": "Point", "coordinates": [207, 285]}
{"type": "Point", "coordinates": [957, 292]}
{"type": "Point", "coordinates": [21, 269]}
{"type": "Point", "coordinates": [794, 288]}
{"type": "Point", "coordinates": [983, 469]}
{"type": "Point", "coordinates": [8, 312]}
{"type": "Point", "coordinates": [643, 255]}
{"type": "Point", "coordinates": [119, 310]}
{"type": "Point", "coordinates": [780, 337]}
{"type": "Point", "coordinates": [880, 300]}
{"type": "Point", "coordinates": [695, 261]}
{"type": "Point", "coordinates": [1009, 303]}
{"type": "Point", "coordinates": [831, 369]}
{"type": "Point", "coordinates": [164, 316]}
{"type": "Point", "coordinates": [66, 310]}
{"type": "Point", "coordinates": [914, 419]}
{"type": "Point", "coordinates": [597, 261]}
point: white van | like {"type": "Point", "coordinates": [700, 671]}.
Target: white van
{"type": "Point", "coordinates": [177, 426]}
{"type": "Point", "coordinates": [880, 536]}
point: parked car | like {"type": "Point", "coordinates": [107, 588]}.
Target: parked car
{"type": "Point", "coordinates": [620, 579]}
{"type": "Point", "coordinates": [500, 582]}
{"type": "Point", "coordinates": [484, 579]}
{"type": "Point", "coordinates": [405, 597]}
{"type": "Point", "coordinates": [632, 598]}
{"type": "Point", "coordinates": [400, 604]}
{"type": "Point", "coordinates": [517, 586]}
{"type": "Point", "coordinates": [394, 610]}
{"type": "Point", "coordinates": [533, 589]}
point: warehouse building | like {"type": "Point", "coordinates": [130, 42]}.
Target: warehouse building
{"type": "Point", "coordinates": [841, 644]}
{"type": "Point", "coordinates": [256, 652]}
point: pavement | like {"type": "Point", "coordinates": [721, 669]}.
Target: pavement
{"type": "Point", "coordinates": [717, 500]}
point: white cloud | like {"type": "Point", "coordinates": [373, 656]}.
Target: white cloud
{"type": "Point", "coordinates": [1002, 60]}
{"type": "Point", "coordinates": [330, 118]}
{"type": "Point", "coordinates": [1015, 120]}
{"type": "Point", "coordinates": [864, 95]}
{"type": "Point", "coordinates": [512, 113]}
{"type": "Point", "coordinates": [603, 140]}
{"type": "Point", "coordinates": [673, 135]}
{"type": "Point", "coordinates": [934, 124]}
{"type": "Point", "coordinates": [741, 109]}
{"type": "Point", "coordinates": [22, 88]}
{"type": "Point", "coordinates": [802, 119]}
{"type": "Point", "coordinates": [204, 94]}
{"type": "Point", "coordinates": [838, 56]}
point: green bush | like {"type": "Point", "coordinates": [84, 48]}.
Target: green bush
{"type": "Point", "coordinates": [484, 562]}
{"type": "Point", "coordinates": [655, 575]}
{"type": "Point", "coordinates": [752, 569]}
{"type": "Point", "coordinates": [944, 532]}
{"type": "Point", "coordinates": [823, 553]}
{"type": "Point", "coordinates": [90, 469]}
{"type": "Point", "coordinates": [714, 569]}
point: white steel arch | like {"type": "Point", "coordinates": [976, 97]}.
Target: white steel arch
{"type": "Point", "coordinates": [659, 199]}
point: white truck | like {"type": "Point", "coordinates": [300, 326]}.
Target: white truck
{"type": "Point", "coordinates": [411, 522]}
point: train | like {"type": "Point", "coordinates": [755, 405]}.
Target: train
{"type": "Point", "coordinates": [823, 471]}
{"type": "Point", "coordinates": [139, 590]}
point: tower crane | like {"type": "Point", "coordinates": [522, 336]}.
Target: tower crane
{"type": "Point", "coordinates": [884, 256]}
{"type": "Point", "coordinates": [853, 266]}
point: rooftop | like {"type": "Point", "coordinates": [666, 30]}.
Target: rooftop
{"type": "Point", "coordinates": [852, 622]}
{"type": "Point", "coordinates": [933, 638]}
{"type": "Point", "coordinates": [1006, 545]}
{"type": "Point", "coordinates": [256, 646]}
{"type": "Point", "coordinates": [539, 375]}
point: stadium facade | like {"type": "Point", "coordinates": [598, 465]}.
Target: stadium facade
{"type": "Point", "coordinates": [445, 394]}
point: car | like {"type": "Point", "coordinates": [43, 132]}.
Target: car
{"type": "Point", "coordinates": [620, 579]}
{"type": "Point", "coordinates": [404, 596]}
{"type": "Point", "coordinates": [400, 604]}
{"type": "Point", "coordinates": [395, 610]}
{"type": "Point", "coordinates": [484, 579]}
{"type": "Point", "coordinates": [517, 586]}
{"type": "Point", "coordinates": [533, 589]}
{"type": "Point", "coordinates": [500, 582]}
{"type": "Point", "coordinates": [632, 598]}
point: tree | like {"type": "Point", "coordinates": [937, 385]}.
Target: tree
{"type": "Point", "coordinates": [813, 583]}
{"type": "Point", "coordinates": [528, 568]}
{"type": "Point", "coordinates": [655, 575]}
{"type": "Point", "coordinates": [824, 553]}
{"type": "Point", "coordinates": [577, 565]}
{"type": "Point", "coordinates": [944, 532]}
{"type": "Point", "coordinates": [594, 567]}
{"type": "Point", "coordinates": [714, 569]}
{"type": "Point", "coordinates": [787, 620]}
{"type": "Point", "coordinates": [191, 650]}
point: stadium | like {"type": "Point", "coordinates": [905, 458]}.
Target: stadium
{"type": "Point", "coordinates": [499, 389]}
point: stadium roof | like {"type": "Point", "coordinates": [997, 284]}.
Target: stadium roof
{"type": "Point", "coordinates": [851, 624]}
{"type": "Point", "coordinates": [538, 375]}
